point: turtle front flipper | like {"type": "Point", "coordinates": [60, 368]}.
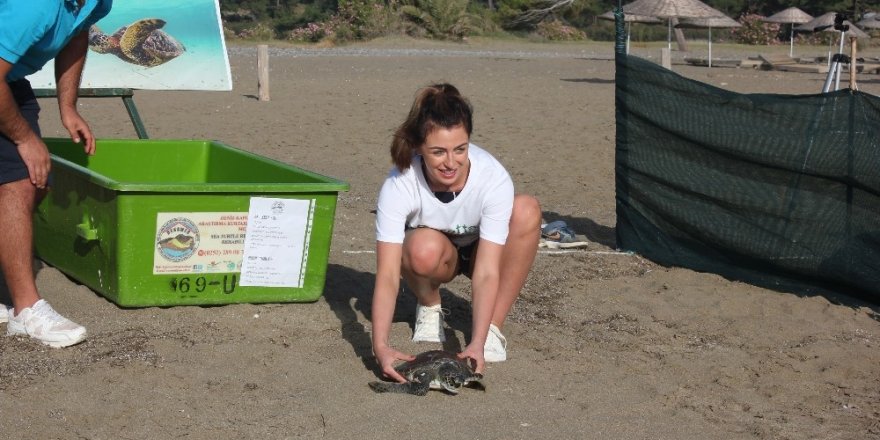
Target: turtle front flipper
{"type": "Point", "coordinates": [99, 41]}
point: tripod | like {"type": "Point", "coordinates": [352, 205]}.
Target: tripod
{"type": "Point", "coordinates": [837, 61]}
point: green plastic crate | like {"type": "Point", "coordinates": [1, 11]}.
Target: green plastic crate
{"type": "Point", "coordinates": [111, 221]}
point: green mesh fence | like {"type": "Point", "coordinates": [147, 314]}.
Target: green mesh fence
{"type": "Point", "coordinates": [781, 191]}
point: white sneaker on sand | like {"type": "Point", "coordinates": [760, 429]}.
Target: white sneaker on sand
{"type": "Point", "coordinates": [43, 323]}
{"type": "Point", "coordinates": [495, 349]}
{"type": "Point", "coordinates": [4, 313]}
{"type": "Point", "coordinates": [429, 324]}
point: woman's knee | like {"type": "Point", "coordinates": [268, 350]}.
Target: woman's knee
{"type": "Point", "coordinates": [526, 215]}
{"type": "Point", "coordinates": [424, 253]}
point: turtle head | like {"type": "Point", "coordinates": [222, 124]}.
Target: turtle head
{"type": "Point", "coordinates": [150, 24]}
{"type": "Point", "coordinates": [451, 378]}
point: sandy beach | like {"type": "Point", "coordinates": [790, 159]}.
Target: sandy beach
{"type": "Point", "coordinates": [602, 344]}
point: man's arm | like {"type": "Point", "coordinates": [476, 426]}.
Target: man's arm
{"type": "Point", "coordinates": [13, 125]}
{"type": "Point", "coordinates": [68, 73]}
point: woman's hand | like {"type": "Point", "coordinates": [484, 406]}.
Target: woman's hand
{"type": "Point", "coordinates": [386, 357]}
{"type": "Point", "coordinates": [476, 355]}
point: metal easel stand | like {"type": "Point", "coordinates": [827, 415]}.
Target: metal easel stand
{"type": "Point", "coordinates": [127, 96]}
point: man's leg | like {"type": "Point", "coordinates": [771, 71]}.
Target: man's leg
{"type": "Point", "coordinates": [16, 242]}
{"type": "Point", "coordinates": [32, 317]}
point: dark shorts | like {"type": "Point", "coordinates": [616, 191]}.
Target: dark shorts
{"type": "Point", "coordinates": [12, 168]}
{"type": "Point", "coordinates": [466, 255]}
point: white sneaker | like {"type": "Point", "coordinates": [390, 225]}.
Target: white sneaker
{"type": "Point", "coordinates": [4, 313]}
{"type": "Point", "coordinates": [44, 324]}
{"type": "Point", "coordinates": [429, 324]}
{"type": "Point", "coordinates": [495, 349]}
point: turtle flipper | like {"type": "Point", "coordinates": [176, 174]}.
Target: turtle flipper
{"type": "Point", "coordinates": [98, 40]}
{"type": "Point", "coordinates": [419, 386]}
{"type": "Point", "coordinates": [390, 387]}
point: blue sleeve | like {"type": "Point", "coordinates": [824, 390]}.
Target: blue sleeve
{"type": "Point", "coordinates": [24, 24]}
{"type": "Point", "coordinates": [100, 12]}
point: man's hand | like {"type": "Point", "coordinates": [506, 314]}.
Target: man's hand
{"type": "Point", "coordinates": [79, 130]}
{"type": "Point", "coordinates": [35, 156]}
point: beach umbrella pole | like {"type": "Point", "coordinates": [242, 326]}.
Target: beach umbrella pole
{"type": "Point", "coordinates": [710, 47]}
{"type": "Point", "coordinates": [791, 42]}
{"type": "Point", "coordinates": [628, 25]}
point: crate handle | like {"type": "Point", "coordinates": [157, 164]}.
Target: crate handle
{"type": "Point", "coordinates": [85, 231]}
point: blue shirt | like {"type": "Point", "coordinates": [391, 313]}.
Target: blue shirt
{"type": "Point", "coordinates": [34, 31]}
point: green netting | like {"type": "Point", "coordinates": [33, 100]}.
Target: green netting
{"type": "Point", "coordinates": [777, 190]}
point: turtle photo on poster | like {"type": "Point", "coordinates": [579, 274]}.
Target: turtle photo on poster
{"type": "Point", "coordinates": [158, 45]}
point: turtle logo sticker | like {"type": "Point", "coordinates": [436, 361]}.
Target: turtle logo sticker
{"type": "Point", "coordinates": [177, 239]}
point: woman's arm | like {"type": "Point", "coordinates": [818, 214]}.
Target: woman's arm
{"type": "Point", "coordinates": [388, 258]}
{"type": "Point", "coordinates": [487, 267]}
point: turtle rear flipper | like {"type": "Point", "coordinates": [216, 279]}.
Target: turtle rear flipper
{"type": "Point", "coordinates": [402, 388]}
{"type": "Point", "coordinates": [419, 386]}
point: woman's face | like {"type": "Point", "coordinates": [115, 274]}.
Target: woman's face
{"type": "Point", "coordinates": [445, 154]}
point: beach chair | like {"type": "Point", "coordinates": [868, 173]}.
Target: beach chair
{"type": "Point", "coordinates": [789, 64]}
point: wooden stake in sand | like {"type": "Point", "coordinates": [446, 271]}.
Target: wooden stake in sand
{"type": "Point", "coordinates": [852, 63]}
{"type": "Point", "coordinates": [263, 71]}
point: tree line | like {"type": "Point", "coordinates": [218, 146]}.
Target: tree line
{"type": "Point", "coordinates": [360, 19]}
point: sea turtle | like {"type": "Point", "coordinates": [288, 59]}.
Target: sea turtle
{"type": "Point", "coordinates": [143, 43]}
{"type": "Point", "coordinates": [435, 369]}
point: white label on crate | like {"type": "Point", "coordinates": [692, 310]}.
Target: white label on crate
{"type": "Point", "coordinates": [277, 243]}
{"type": "Point", "coordinates": [199, 242]}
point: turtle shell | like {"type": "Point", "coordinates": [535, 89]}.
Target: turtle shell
{"type": "Point", "coordinates": [142, 43]}
{"type": "Point", "coordinates": [435, 369]}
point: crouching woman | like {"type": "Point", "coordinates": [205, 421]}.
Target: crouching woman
{"type": "Point", "coordinates": [447, 208]}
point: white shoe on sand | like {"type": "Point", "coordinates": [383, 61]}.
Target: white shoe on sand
{"type": "Point", "coordinates": [429, 324]}
{"type": "Point", "coordinates": [4, 313]}
{"type": "Point", "coordinates": [495, 349]}
{"type": "Point", "coordinates": [41, 322]}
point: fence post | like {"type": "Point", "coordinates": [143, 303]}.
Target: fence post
{"type": "Point", "coordinates": [263, 71]}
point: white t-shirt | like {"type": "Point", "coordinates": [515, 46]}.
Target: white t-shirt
{"type": "Point", "coordinates": [481, 210]}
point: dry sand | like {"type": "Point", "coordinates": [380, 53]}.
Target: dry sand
{"type": "Point", "coordinates": [602, 345]}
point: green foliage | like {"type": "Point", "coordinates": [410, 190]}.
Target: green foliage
{"type": "Point", "coordinates": [363, 20]}
{"type": "Point", "coordinates": [354, 20]}
{"type": "Point", "coordinates": [555, 30]}
{"type": "Point", "coordinates": [755, 31]}
{"type": "Point", "coordinates": [346, 20]}
{"type": "Point", "coordinates": [510, 10]}
{"type": "Point", "coordinates": [442, 19]}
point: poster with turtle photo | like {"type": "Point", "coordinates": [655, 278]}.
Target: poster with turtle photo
{"type": "Point", "coordinates": [157, 45]}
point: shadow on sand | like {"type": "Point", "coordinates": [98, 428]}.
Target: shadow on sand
{"type": "Point", "coordinates": [349, 293]}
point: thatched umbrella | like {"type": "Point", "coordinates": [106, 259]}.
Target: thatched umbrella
{"type": "Point", "coordinates": [791, 16]}
{"type": "Point", "coordinates": [630, 18]}
{"type": "Point", "coordinates": [825, 22]}
{"type": "Point", "coordinates": [670, 9]}
{"type": "Point", "coordinates": [710, 22]}
{"type": "Point", "coordinates": [871, 21]}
